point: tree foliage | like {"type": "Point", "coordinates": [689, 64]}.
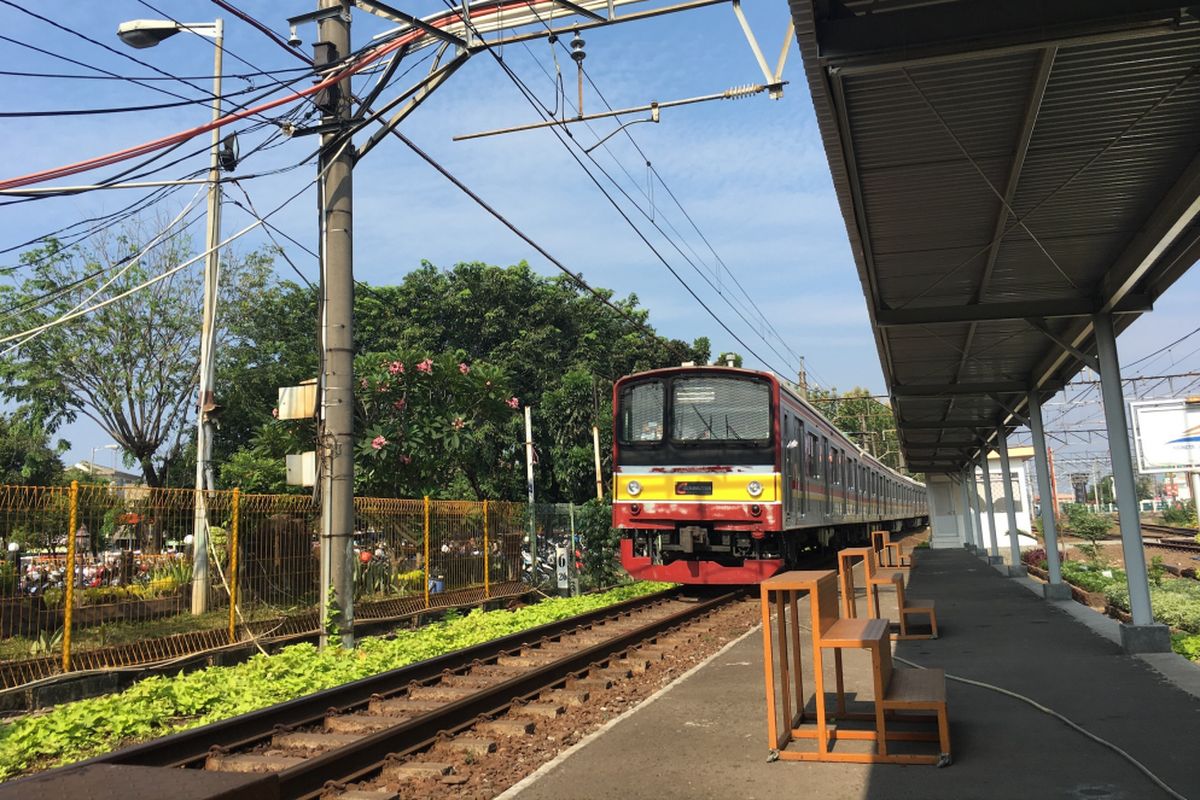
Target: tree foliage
{"type": "Point", "coordinates": [432, 422]}
{"type": "Point", "coordinates": [131, 366]}
{"type": "Point", "coordinates": [868, 422]}
{"type": "Point", "coordinates": [557, 348]}
{"type": "Point", "coordinates": [27, 458]}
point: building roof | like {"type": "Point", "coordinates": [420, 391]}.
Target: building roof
{"type": "Point", "coordinates": [1005, 170]}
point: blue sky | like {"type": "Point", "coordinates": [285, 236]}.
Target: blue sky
{"type": "Point", "coordinates": [751, 173]}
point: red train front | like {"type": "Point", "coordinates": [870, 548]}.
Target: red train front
{"type": "Point", "coordinates": [723, 476]}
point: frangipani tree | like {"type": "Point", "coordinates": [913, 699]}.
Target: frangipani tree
{"type": "Point", "coordinates": [426, 423]}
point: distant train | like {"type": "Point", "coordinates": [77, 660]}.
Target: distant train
{"type": "Point", "coordinates": [725, 476]}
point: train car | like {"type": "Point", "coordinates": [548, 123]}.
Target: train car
{"type": "Point", "coordinates": [726, 476]}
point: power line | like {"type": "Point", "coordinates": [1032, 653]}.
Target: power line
{"type": "Point", "coordinates": [542, 111]}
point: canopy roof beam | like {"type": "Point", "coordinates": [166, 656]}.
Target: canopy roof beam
{"type": "Point", "coordinates": [1004, 312]}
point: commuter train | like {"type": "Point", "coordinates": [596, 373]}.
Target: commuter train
{"type": "Point", "coordinates": [726, 476]}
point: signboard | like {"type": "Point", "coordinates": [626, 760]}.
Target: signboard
{"type": "Point", "coordinates": [562, 573]}
{"type": "Point", "coordinates": [1167, 435]}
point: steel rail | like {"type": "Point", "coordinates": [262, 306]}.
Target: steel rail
{"type": "Point", "coordinates": [366, 755]}
{"type": "Point", "coordinates": [192, 746]}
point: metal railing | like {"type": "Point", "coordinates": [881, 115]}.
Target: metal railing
{"type": "Point", "coordinates": [100, 576]}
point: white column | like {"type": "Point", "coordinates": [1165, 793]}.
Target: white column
{"type": "Point", "coordinates": [968, 528]}
{"type": "Point", "coordinates": [1146, 640]}
{"type": "Point", "coordinates": [1014, 550]}
{"type": "Point", "coordinates": [974, 500]}
{"type": "Point", "coordinates": [1055, 588]}
{"type": "Point", "coordinates": [994, 553]}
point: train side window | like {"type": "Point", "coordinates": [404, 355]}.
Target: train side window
{"type": "Point", "coordinates": [814, 456]}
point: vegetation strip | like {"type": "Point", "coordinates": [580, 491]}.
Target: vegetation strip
{"type": "Point", "coordinates": [160, 706]}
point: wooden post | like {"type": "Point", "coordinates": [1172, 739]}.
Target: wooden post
{"type": "Point", "coordinates": [427, 551]}
{"type": "Point", "coordinates": [487, 581]}
{"type": "Point", "coordinates": [596, 450]}
{"type": "Point", "coordinates": [233, 566]}
{"type": "Point", "coordinates": [69, 594]}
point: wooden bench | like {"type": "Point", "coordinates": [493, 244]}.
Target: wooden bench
{"type": "Point", "coordinates": [897, 693]}
{"type": "Point", "coordinates": [891, 554]}
{"type": "Point", "coordinates": [875, 577]}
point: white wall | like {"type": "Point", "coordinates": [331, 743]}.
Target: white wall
{"type": "Point", "coordinates": [945, 511]}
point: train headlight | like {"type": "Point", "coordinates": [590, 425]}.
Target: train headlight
{"type": "Point", "coordinates": [754, 488]}
{"type": "Point", "coordinates": [634, 488]}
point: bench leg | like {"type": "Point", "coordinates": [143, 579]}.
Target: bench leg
{"type": "Point", "coordinates": [943, 736]}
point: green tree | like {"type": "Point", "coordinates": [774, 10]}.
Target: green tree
{"type": "Point", "coordinates": [868, 422]}
{"type": "Point", "coordinates": [27, 457]}
{"type": "Point", "coordinates": [426, 423]}
{"type": "Point", "coordinates": [132, 365]}
{"type": "Point", "coordinates": [556, 344]}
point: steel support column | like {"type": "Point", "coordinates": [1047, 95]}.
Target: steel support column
{"type": "Point", "coordinates": [1010, 510]}
{"type": "Point", "coordinates": [1143, 635]}
{"type": "Point", "coordinates": [994, 553]}
{"type": "Point", "coordinates": [1055, 589]}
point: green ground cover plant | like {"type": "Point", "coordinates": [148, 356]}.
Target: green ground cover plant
{"type": "Point", "coordinates": [160, 705]}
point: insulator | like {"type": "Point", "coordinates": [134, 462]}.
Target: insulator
{"type": "Point", "coordinates": [577, 44]}
{"type": "Point", "coordinates": [738, 92]}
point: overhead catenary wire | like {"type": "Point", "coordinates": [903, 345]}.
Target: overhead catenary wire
{"type": "Point", "coordinates": [650, 216]}
{"type": "Point", "coordinates": [541, 110]}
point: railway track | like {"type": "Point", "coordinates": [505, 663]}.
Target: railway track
{"type": "Point", "coordinates": [379, 726]}
{"type": "Point", "coordinates": [1171, 538]}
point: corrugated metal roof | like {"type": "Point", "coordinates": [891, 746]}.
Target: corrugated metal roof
{"type": "Point", "coordinates": [993, 151]}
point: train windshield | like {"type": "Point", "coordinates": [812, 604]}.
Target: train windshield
{"type": "Point", "coordinates": [642, 412]}
{"type": "Point", "coordinates": [720, 409]}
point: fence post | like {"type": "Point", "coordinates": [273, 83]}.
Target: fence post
{"type": "Point", "coordinates": [427, 551]}
{"type": "Point", "coordinates": [69, 589]}
{"type": "Point", "coordinates": [233, 565]}
{"type": "Point", "coordinates": [487, 571]}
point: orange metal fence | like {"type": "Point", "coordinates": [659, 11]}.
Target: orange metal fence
{"type": "Point", "coordinates": [129, 552]}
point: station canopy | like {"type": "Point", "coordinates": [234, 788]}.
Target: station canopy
{"type": "Point", "coordinates": [1006, 169]}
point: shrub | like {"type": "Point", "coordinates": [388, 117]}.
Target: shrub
{"type": "Point", "coordinates": [1180, 514]}
{"type": "Point", "coordinates": [1187, 645]}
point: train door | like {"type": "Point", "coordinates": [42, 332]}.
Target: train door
{"type": "Point", "coordinates": [842, 480]}
{"type": "Point", "coordinates": [791, 453]}
{"type": "Point", "coordinates": [827, 469]}
{"type": "Point", "coordinates": [812, 454]}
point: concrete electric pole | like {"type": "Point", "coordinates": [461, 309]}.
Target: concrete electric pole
{"type": "Point", "coordinates": [337, 336]}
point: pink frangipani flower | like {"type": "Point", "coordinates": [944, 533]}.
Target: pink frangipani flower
{"type": "Point", "coordinates": [426, 365]}
{"type": "Point", "coordinates": [396, 368]}
{"type": "Point", "coordinates": [514, 402]}
{"type": "Point", "coordinates": [379, 442]}
{"type": "Point", "coordinates": [464, 368]}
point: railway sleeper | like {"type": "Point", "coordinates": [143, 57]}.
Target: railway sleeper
{"type": "Point", "coordinates": [507, 726]}
{"type": "Point", "coordinates": [539, 709]}
{"type": "Point", "coordinates": [568, 697]}
{"type": "Point", "coordinates": [368, 794]}
{"type": "Point", "coordinates": [402, 706]}
{"type": "Point", "coordinates": [441, 692]}
{"type": "Point", "coordinates": [312, 742]}
{"type": "Point", "coordinates": [414, 770]}
{"type": "Point", "coordinates": [360, 723]}
{"type": "Point", "coordinates": [251, 763]}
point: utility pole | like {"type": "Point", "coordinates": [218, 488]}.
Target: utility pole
{"type": "Point", "coordinates": [533, 554]}
{"type": "Point", "coordinates": [208, 341]}
{"type": "Point", "coordinates": [336, 445]}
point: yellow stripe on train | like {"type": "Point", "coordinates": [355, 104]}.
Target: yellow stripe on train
{"type": "Point", "coordinates": [714, 487]}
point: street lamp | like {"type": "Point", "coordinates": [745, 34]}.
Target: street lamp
{"type": "Point", "coordinates": [92, 461]}
{"type": "Point", "coordinates": [142, 33]}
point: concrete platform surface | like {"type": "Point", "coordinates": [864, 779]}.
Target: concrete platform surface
{"type": "Point", "coordinates": [706, 736]}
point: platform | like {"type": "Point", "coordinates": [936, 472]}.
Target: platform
{"type": "Point", "coordinates": [706, 736]}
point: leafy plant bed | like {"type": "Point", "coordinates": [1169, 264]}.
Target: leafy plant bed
{"type": "Point", "coordinates": [159, 706]}
{"type": "Point", "coordinates": [1174, 600]}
